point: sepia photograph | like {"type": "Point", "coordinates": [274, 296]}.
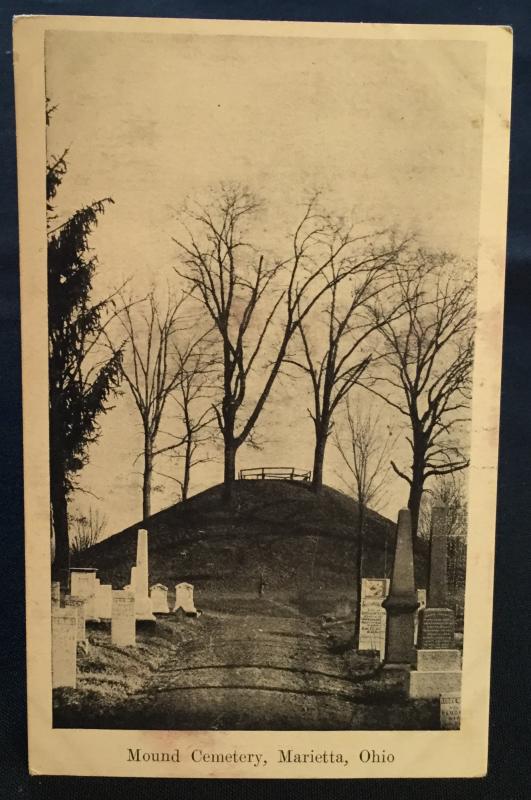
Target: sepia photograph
{"type": "Point", "coordinates": [272, 317]}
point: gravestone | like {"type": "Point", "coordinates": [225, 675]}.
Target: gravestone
{"type": "Point", "coordinates": [450, 711]}
{"type": "Point", "coordinates": [78, 605]}
{"type": "Point", "coordinates": [143, 609]}
{"type": "Point", "coordinates": [123, 625]}
{"type": "Point", "coordinates": [373, 618]}
{"type": "Point", "coordinates": [438, 672]}
{"type": "Point", "coordinates": [159, 599]}
{"type": "Point", "coordinates": [433, 683]}
{"type": "Point", "coordinates": [436, 629]}
{"type": "Point", "coordinates": [437, 621]}
{"type": "Point", "coordinates": [83, 584]}
{"type": "Point", "coordinates": [401, 602]}
{"type": "Point", "coordinates": [421, 599]}
{"type": "Point", "coordinates": [438, 662]}
{"type": "Point", "coordinates": [104, 601]}
{"type": "Point", "coordinates": [64, 647]}
{"type": "Point", "coordinates": [184, 599]}
{"type": "Point", "coordinates": [56, 594]}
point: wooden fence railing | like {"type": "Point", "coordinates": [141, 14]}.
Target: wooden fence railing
{"type": "Point", "coordinates": [274, 474]}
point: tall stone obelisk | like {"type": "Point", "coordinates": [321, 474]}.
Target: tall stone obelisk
{"type": "Point", "coordinates": [401, 602]}
{"type": "Point", "coordinates": [438, 670]}
{"type": "Point", "coordinates": [143, 607]}
{"type": "Point", "coordinates": [437, 621]}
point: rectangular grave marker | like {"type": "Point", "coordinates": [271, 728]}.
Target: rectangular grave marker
{"type": "Point", "coordinates": [159, 599]}
{"type": "Point", "coordinates": [421, 599]}
{"type": "Point", "coordinates": [83, 584]}
{"type": "Point", "coordinates": [450, 711]}
{"type": "Point", "coordinates": [373, 618]}
{"type": "Point", "coordinates": [104, 601]}
{"type": "Point", "coordinates": [436, 629]}
{"type": "Point", "coordinates": [184, 598]}
{"type": "Point", "coordinates": [64, 648]}
{"type": "Point", "coordinates": [78, 605]}
{"type": "Point", "coordinates": [123, 624]}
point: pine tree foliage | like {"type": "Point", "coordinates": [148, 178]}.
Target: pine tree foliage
{"type": "Point", "coordinates": [80, 381]}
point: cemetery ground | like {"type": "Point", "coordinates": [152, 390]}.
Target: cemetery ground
{"type": "Point", "coordinates": [264, 571]}
{"type": "Point", "coordinates": [247, 663]}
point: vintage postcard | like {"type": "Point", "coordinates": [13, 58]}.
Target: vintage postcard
{"type": "Point", "coordinates": [262, 270]}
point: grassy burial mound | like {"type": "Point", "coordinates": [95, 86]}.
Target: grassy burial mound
{"type": "Point", "coordinates": [302, 543]}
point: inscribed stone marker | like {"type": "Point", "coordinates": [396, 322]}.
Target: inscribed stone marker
{"type": "Point", "coordinates": [184, 598]}
{"type": "Point", "coordinates": [421, 598]}
{"type": "Point", "coordinates": [78, 604]}
{"type": "Point", "coordinates": [159, 599]}
{"type": "Point", "coordinates": [450, 711]}
{"type": "Point", "coordinates": [123, 625]}
{"type": "Point", "coordinates": [83, 584]}
{"type": "Point", "coordinates": [373, 617]}
{"type": "Point", "coordinates": [104, 601]}
{"type": "Point", "coordinates": [64, 648]}
{"type": "Point", "coordinates": [436, 621]}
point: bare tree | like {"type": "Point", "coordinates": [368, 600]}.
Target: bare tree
{"type": "Point", "coordinates": [249, 302]}
{"type": "Point", "coordinates": [87, 530]}
{"type": "Point", "coordinates": [352, 313]}
{"type": "Point", "coordinates": [192, 397]}
{"type": "Point", "coordinates": [449, 491]}
{"type": "Point", "coordinates": [426, 360]}
{"type": "Point", "coordinates": [365, 452]}
{"type": "Point", "coordinates": [150, 369]}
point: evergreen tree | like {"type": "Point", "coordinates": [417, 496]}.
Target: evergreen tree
{"type": "Point", "coordinates": [80, 383]}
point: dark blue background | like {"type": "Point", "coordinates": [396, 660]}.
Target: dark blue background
{"type": "Point", "coordinates": [509, 768]}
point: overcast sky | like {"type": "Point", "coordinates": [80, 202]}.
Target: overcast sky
{"type": "Point", "coordinates": [390, 130]}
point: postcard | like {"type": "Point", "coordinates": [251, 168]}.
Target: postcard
{"type": "Point", "coordinates": [262, 273]}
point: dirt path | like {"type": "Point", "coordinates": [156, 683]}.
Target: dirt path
{"type": "Point", "coordinates": [253, 671]}
{"type": "Point", "coordinates": [247, 663]}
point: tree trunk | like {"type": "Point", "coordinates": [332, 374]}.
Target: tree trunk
{"type": "Point", "coordinates": [229, 474]}
{"type": "Point", "coordinates": [58, 497]}
{"type": "Point", "coordinates": [148, 473]}
{"type": "Point", "coordinates": [359, 571]}
{"type": "Point", "coordinates": [417, 477]}
{"type": "Point", "coordinates": [415, 496]}
{"type": "Point", "coordinates": [187, 468]}
{"type": "Point", "coordinates": [321, 437]}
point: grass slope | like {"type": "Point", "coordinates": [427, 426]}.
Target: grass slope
{"type": "Point", "coordinates": [301, 541]}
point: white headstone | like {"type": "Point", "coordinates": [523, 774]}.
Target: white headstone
{"type": "Point", "coordinates": [184, 598]}
{"type": "Point", "coordinates": [421, 600]}
{"type": "Point", "coordinates": [141, 578]}
{"type": "Point", "coordinates": [83, 584]}
{"type": "Point", "coordinates": [78, 604]}
{"type": "Point", "coordinates": [451, 711]}
{"type": "Point", "coordinates": [373, 619]}
{"type": "Point", "coordinates": [159, 599]}
{"type": "Point", "coordinates": [64, 647]}
{"type": "Point", "coordinates": [123, 625]}
{"type": "Point", "coordinates": [104, 601]}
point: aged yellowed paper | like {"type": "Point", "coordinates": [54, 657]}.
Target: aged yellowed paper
{"type": "Point", "coordinates": [262, 270]}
